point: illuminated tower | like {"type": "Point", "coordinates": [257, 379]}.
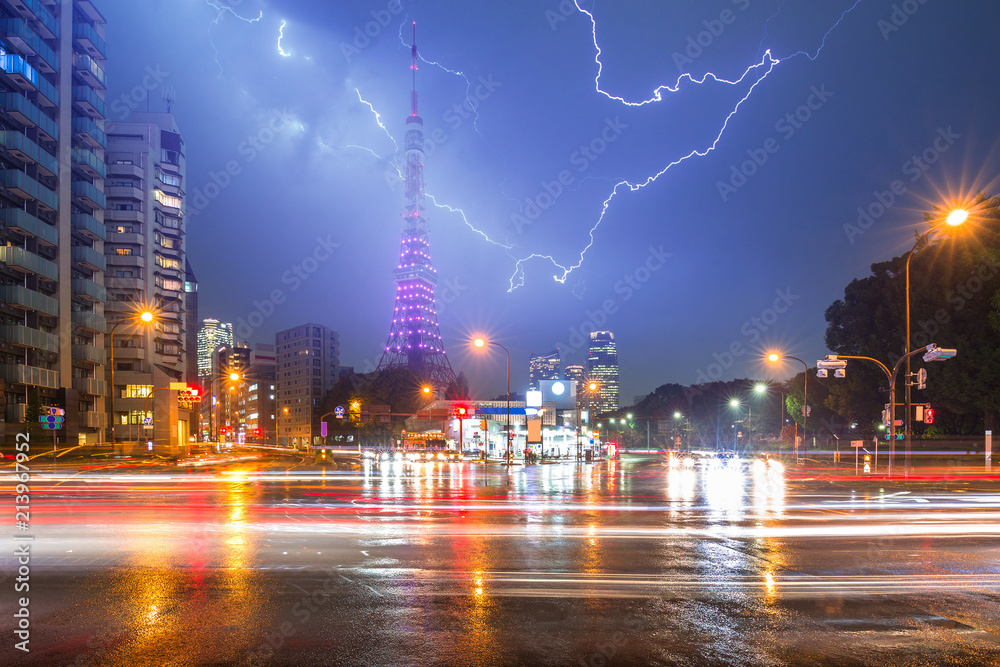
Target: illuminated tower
{"type": "Point", "coordinates": [414, 337]}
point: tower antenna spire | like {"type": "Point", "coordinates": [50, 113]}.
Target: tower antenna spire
{"type": "Point", "coordinates": [413, 66]}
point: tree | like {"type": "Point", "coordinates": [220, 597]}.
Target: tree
{"type": "Point", "coordinates": [458, 389]}
{"type": "Point", "coordinates": [954, 292]}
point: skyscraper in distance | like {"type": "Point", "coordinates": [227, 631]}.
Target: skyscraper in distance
{"type": "Point", "coordinates": [543, 367]}
{"type": "Point", "coordinates": [414, 336]}
{"type": "Point", "coordinates": [602, 368]}
{"type": "Point", "coordinates": [212, 335]}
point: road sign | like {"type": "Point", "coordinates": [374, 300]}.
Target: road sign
{"type": "Point", "coordinates": [148, 421]}
{"type": "Point", "coordinates": [53, 412]}
{"type": "Point", "coordinates": [857, 443]}
{"type": "Point", "coordinates": [51, 421]}
{"type": "Point", "coordinates": [339, 412]}
{"type": "Point", "coordinates": [898, 422]}
{"type": "Point", "coordinates": [322, 429]}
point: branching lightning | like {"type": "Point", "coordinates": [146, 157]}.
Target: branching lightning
{"type": "Point", "coordinates": [755, 73]}
{"type": "Point", "coordinates": [220, 10]}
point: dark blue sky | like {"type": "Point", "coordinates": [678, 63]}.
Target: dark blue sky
{"type": "Point", "coordinates": [893, 79]}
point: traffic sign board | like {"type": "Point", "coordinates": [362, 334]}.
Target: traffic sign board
{"type": "Point", "coordinates": [338, 412]}
{"type": "Point", "coordinates": [857, 443]}
{"type": "Point", "coordinates": [148, 421]}
{"type": "Point", "coordinates": [898, 422]}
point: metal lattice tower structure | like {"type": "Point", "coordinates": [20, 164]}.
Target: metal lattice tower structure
{"type": "Point", "coordinates": [414, 337]}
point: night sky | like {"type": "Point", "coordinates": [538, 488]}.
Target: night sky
{"type": "Point", "coordinates": [678, 269]}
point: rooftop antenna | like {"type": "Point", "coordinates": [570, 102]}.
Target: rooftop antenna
{"type": "Point", "coordinates": [169, 96]}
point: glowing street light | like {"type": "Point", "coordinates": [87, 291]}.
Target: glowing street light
{"type": "Point", "coordinates": [145, 317]}
{"type": "Point", "coordinates": [481, 342]}
{"type": "Point", "coordinates": [775, 357]}
{"type": "Point", "coordinates": [955, 218]}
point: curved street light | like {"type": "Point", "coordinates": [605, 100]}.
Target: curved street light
{"type": "Point", "coordinates": [145, 317]}
{"type": "Point", "coordinates": [955, 218]}
{"type": "Point", "coordinates": [482, 342]}
{"type": "Point", "coordinates": [775, 357]}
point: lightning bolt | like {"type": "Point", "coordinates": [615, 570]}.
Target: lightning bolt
{"type": "Point", "coordinates": [221, 10]}
{"type": "Point", "coordinates": [757, 73]}
{"type": "Point", "coordinates": [281, 34]}
{"type": "Point", "coordinates": [378, 118]}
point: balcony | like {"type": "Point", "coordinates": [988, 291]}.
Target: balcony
{"type": "Point", "coordinates": [88, 195]}
{"type": "Point", "coordinates": [89, 289]}
{"type": "Point", "coordinates": [128, 238]}
{"type": "Point", "coordinates": [87, 99]}
{"type": "Point", "coordinates": [93, 420]}
{"type": "Point", "coordinates": [21, 73]}
{"type": "Point", "coordinates": [25, 39]}
{"type": "Point", "coordinates": [89, 354]}
{"type": "Point", "coordinates": [26, 187]}
{"type": "Point", "coordinates": [90, 72]}
{"type": "Point", "coordinates": [129, 261]}
{"type": "Point", "coordinates": [87, 36]}
{"type": "Point", "coordinates": [30, 375]}
{"type": "Point", "coordinates": [89, 320]}
{"type": "Point", "coordinates": [28, 225]}
{"type": "Point", "coordinates": [89, 258]}
{"type": "Point", "coordinates": [16, 412]}
{"type": "Point", "coordinates": [48, 27]}
{"type": "Point", "coordinates": [91, 12]}
{"type": "Point", "coordinates": [124, 192]}
{"type": "Point", "coordinates": [111, 215]}
{"type": "Point", "coordinates": [27, 151]}
{"type": "Point", "coordinates": [18, 296]}
{"type": "Point", "coordinates": [88, 132]}
{"type": "Point", "coordinates": [15, 334]}
{"type": "Point", "coordinates": [88, 226]}
{"type": "Point", "coordinates": [125, 283]}
{"type": "Point", "coordinates": [89, 164]}
{"type": "Point", "coordinates": [131, 170]}
{"type": "Point", "coordinates": [24, 261]}
{"type": "Point", "coordinates": [129, 354]}
{"type": "Point", "coordinates": [22, 110]}
{"type": "Point", "coordinates": [91, 386]}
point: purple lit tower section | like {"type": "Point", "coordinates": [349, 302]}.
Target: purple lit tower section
{"type": "Point", "coordinates": [415, 338]}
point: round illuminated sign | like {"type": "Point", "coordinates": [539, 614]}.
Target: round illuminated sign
{"type": "Point", "coordinates": [558, 388]}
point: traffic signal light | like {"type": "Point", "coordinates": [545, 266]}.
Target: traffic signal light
{"type": "Point", "coordinates": [460, 411]}
{"type": "Point", "coordinates": [922, 378]}
{"type": "Point", "coordinates": [483, 425]}
{"type": "Point", "coordinates": [929, 415]}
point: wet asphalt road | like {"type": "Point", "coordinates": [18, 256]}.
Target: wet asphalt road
{"type": "Point", "coordinates": [626, 562]}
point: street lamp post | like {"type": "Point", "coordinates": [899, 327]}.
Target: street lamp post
{"type": "Point", "coordinates": [145, 317]}
{"type": "Point", "coordinates": [774, 357]}
{"type": "Point", "coordinates": [954, 219]}
{"type": "Point", "coordinates": [591, 387]}
{"type": "Point", "coordinates": [480, 342]}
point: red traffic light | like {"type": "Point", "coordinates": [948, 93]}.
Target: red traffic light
{"type": "Point", "coordinates": [929, 416]}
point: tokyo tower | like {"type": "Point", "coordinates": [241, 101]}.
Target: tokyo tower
{"type": "Point", "coordinates": [414, 337]}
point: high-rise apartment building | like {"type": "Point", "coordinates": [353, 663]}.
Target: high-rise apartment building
{"type": "Point", "coordinates": [602, 368]}
{"type": "Point", "coordinates": [147, 268]}
{"type": "Point", "coordinates": [308, 366]}
{"type": "Point", "coordinates": [192, 326]}
{"type": "Point", "coordinates": [543, 367]}
{"type": "Point", "coordinates": [52, 167]}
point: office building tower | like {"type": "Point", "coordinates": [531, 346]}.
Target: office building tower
{"type": "Point", "coordinates": [258, 396]}
{"type": "Point", "coordinates": [575, 372]}
{"type": "Point", "coordinates": [602, 368]}
{"type": "Point", "coordinates": [308, 361]}
{"type": "Point", "coordinates": [211, 335]}
{"type": "Point", "coordinates": [543, 367]}
{"type": "Point", "coordinates": [52, 166]}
